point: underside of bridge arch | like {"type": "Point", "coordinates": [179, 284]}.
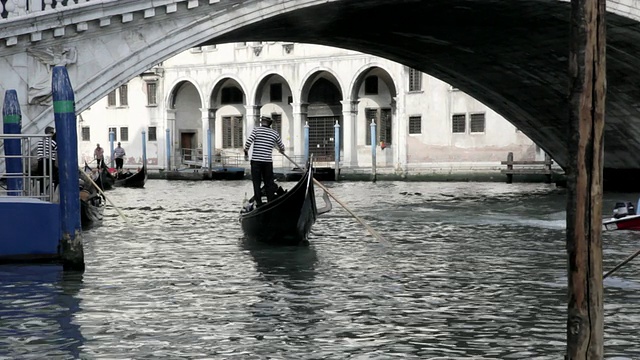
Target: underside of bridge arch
{"type": "Point", "coordinates": [511, 55]}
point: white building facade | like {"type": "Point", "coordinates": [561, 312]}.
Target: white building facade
{"type": "Point", "coordinates": [206, 101]}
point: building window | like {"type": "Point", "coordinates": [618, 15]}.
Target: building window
{"type": "Point", "coordinates": [277, 122]}
{"type": "Point", "coordinates": [371, 85]}
{"type": "Point", "coordinates": [232, 132]}
{"type": "Point", "coordinates": [152, 93]}
{"type": "Point", "coordinates": [124, 134]}
{"type": "Point", "coordinates": [459, 123]}
{"type": "Point", "coordinates": [111, 98]}
{"type": "Point", "coordinates": [115, 134]}
{"type": "Point", "coordinates": [152, 134]}
{"type": "Point", "coordinates": [415, 124]}
{"type": "Point", "coordinates": [275, 93]}
{"type": "Point", "coordinates": [415, 80]}
{"type": "Point", "coordinates": [231, 95]}
{"type": "Point", "coordinates": [86, 134]}
{"type": "Point", "coordinates": [476, 123]}
{"type": "Point", "coordinates": [124, 96]}
{"type": "Point", "coordinates": [382, 119]}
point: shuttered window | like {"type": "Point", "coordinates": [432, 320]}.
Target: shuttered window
{"type": "Point", "coordinates": [152, 96]}
{"type": "Point", "coordinates": [477, 123]}
{"type": "Point", "coordinates": [277, 122]}
{"type": "Point", "coordinates": [124, 134]}
{"type": "Point", "coordinates": [124, 95]}
{"type": "Point", "coordinates": [86, 133]}
{"type": "Point", "coordinates": [415, 125]}
{"type": "Point", "coordinates": [232, 132]}
{"type": "Point", "coordinates": [111, 98]}
{"type": "Point", "coordinates": [153, 136]}
{"type": "Point", "coordinates": [459, 123]}
{"type": "Point", "coordinates": [383, 121]}
{"type": "Point", "coordinates": [415, 80]}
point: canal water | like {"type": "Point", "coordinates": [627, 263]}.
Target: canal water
{"type": "Point", "coordinates": [473, 270]}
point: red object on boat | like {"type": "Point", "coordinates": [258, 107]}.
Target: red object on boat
{"type": "Point", "coordinates": [631, 222]}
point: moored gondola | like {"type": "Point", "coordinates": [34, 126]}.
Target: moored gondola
{"type": "Point", "coordinates": [287, 219]}
{"type": "Point", "coordinates": [132, 180]}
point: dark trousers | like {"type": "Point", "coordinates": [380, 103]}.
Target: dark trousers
{"type": "Point", "coordinates": [101, 163]}
{"type": "Point", "coordinates": [119, 163]}
{"type": "Point", "coordinates": [262, 172]}
{"type": "Point", "coordinates": [44, 169]}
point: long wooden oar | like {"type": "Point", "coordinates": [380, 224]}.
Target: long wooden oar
{"type": "Point", "coordinates": [105, 196]}
{"type": "Point", "coordinates": [621, 264]}
{"type": "Point", "coordinates": [371, 230]}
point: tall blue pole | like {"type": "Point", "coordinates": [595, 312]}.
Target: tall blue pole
{"type": "Point", "coordinates": [168, 140]}
{"type": "Point", "coordinates": [373, 150]}
{"type": "Point", "coordinates": [112, 138]}
{"type": "Point", "coordinates": [209, 148]}
{"type": "Point", "coordinates": [336, 135]}
{"type": "Point", "coordinates": [144, 148]}
{"type": "Point", "coordinates": [64, 112]}
{"type": "Point", "coordinates": [306, 143]}
{"type": "Point", "coordinates": [12, 119]}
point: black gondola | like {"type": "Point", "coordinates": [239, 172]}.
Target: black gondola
{"type": "Point", "coordinates": [132, 180]}
{"type": "Point", "coordinates": [92, 202]}
{"type": "Point", "coordinates": [287, 219]}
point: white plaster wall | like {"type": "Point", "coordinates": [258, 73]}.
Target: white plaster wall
{"type": "Point", "coordinates": [208, 66]}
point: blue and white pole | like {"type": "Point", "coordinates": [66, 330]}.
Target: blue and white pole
{"type": "Point", "coordinates": [336, 135]}
{"type": "Point", "coordinates": [112, 138]}
{"type": "Point", "coordinates": [168, 141]}
{"type": "Point", "coordinates": [373, 150]}
{"type": "Point", "coordinates": [64, 112]}
{"type": "Point", "coordinates": [144, 148]}
{"type": "Point", "coordinates": [306, 143]}
{"type": "Point", "coordinates": [209, 150]}
{"type": "Point", "coordinates": [12, 119]}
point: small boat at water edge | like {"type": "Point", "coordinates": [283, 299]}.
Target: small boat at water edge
{"type": "Point", "coordinates": [287, 219]}
{"type": "Point", "coordinates": [132, 180]}
{"type": "Point", "coordinates": [624, 217]}
{"type": "Point", "coordinates": [91, 208]}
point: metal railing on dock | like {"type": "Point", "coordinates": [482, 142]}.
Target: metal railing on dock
{"type": "Point", "coordinates": [31, 182]}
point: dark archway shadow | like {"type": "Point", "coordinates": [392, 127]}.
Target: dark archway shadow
{"type": "Point", "coordinates": [39, 303]}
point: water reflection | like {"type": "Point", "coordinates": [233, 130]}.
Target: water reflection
{"type": "Point", "coordinates": [38, 305]}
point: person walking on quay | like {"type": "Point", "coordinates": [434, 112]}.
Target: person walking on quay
{"type": "Point", "coordinates": [264, 139]}
{"type": "Point", "coordinates": [98, 156]}
{"type": "Point", "coordinates": [46, 149]}
{"type": "Point", "coordinates": [118, 154]}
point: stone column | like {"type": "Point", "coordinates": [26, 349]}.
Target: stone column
{"type": "Point", "coordinates": [349, 130]}
{"type": "Point", "coordinates": [203, 137]}
{"type": "Point", "coordinates": [252, 115]}
{"type": "Point", "coordinates": [400, 132]}
{"type": "Point", "coordinates": [300, 111]}
{"type": "Point", "coordinates": [171, 125]}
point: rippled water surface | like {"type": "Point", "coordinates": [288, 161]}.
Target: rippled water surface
{"type": "Point", "coordinates": [473, 270]}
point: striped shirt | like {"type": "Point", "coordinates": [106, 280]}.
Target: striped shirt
{"type": "Point", "coordinates": [264, 139]}
{"type": "Point", "coordinates": [46, 145]}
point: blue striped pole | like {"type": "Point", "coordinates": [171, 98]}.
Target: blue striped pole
{"type": "Point", "coordinates": [64, 112]}
{"type": "Point", "coordinates": [12, 118]}
{"type": "Point", "coordinates": [336, 135]}
{"type": "Point", "coordinates": [112, 138]}
{"type": "Point", "coordinates": [306, 142]}
{"type": "Point", "coordinates": [373, 150]}
{"type": "Point", "coordinates": [168, 140]}
{"type": "Point", "coordinates": [209, 149]}
{"type": "Point", "coordinates": [144, 148]}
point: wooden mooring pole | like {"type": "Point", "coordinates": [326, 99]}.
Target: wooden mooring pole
{"type": "Point", "coordinates": [587, 72]}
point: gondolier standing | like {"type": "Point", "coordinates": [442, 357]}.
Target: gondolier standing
{"type": "Point", "coordinates": [264, 139]}
{"type": "Point", "coordinates": [47, 149]}
{"type": "Point", "coordinates": [98, 155]}
{"type": "Point", "coordinates": [118, 154]}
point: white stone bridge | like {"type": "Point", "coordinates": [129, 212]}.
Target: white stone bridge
{"type": "Point", "coordinates": [509, 54]}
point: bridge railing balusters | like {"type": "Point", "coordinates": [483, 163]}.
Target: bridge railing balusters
{"type": "Point", "coordinates": [13, 8]}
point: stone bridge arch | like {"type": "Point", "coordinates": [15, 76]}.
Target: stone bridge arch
{"type": "Point", "coordinates": [512, 56]}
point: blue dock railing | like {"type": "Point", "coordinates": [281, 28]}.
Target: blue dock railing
{"type": "Point", "coordinates": [32, 184]}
